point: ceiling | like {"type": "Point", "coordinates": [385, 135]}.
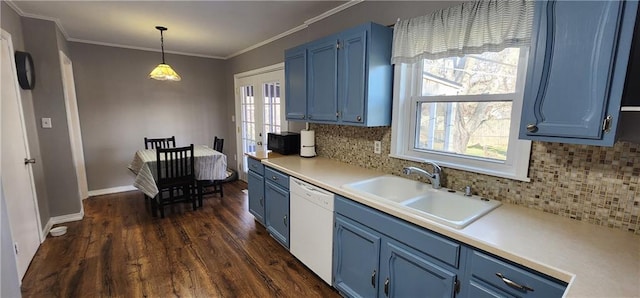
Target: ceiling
{"type": "Point", "coordinates": [216, 29]}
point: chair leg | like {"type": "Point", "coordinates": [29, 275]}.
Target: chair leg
{"type": "Point", "coordinates": [154, 206]}
{"type": "Point", "coordinates": [192, 198]}
{"type": "Point", "coordinates": [220, 189]}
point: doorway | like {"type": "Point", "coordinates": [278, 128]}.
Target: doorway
{"type": "Point", "coordinates": [73, 123]}
{"type": "Point", "coordinates": [17, 176]}
{"type": "Point", "coordinates": [260, 106]}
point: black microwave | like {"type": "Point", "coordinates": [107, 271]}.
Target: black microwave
{"type": "Point", "coordinates": [284, 142]}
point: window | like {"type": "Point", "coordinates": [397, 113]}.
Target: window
{"type": "Point", "coordinates": [463, 112]}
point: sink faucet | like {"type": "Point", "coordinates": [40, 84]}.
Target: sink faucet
{"type": "Point", "coordinates": [435, 177]}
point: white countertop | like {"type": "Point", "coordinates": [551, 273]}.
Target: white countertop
{"type": "Point", "coordinates": [595, 261]}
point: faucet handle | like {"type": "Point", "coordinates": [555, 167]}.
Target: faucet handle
{"type": "Point", "coordinates": [436, 168]}
{"type": "Point", "coordinates": [467, 191]}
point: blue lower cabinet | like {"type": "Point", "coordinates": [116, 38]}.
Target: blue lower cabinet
{"type": "Point", "coordinates": [496, 277]}
{"type": "Point", "coordinates": [407, 272]}
{"type": "Point", "coordinates": [256, 195]}
{"type": "Point", "coordinates": [355, 259]}
{"type": "Point", "coordinates": [378, 255]}
{"type": "Point", "coordinates": [277, 211]}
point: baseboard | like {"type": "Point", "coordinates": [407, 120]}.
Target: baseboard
{"type": "Point", "coordinates": [61, 219]}
{"type": "Point", "coordinates": [106, 191]}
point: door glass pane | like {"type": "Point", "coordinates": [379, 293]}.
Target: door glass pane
{"type": "Point", "coordinates": [248, 119]}
{"type": "Point", "coordinates": [479, 129]}
{"type": "Point", "coordinates": [272, 108]}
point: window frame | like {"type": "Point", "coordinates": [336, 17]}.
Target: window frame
{"type": "Point", "coordinates": [407, 95]}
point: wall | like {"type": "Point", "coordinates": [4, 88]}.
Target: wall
{"type": "Point", "coordinates": [119, 106]}
{"type": "Point", "coordinates": [11, 22]}
{"type": "Point", "coordinates": [41, 40]}
{"type": "Point", "coordinates": [382, 12]}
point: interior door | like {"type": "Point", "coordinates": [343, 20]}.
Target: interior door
{"type": "Point", "coordinates": [17, 176]}
{"type": "Point", "coordinates": [260, 110]}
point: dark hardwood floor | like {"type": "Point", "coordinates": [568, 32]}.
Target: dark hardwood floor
{"type": "Point", "coordinates": [119, 250]}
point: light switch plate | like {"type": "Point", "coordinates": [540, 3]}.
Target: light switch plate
{"type": "Point", "coordinates": [46, 123]}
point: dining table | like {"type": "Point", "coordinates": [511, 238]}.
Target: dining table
{"type": "Point", "coordinates": [209, 164]}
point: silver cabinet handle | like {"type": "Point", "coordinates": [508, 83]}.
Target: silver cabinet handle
{"type": "Point", "coordinates": [284, 220]}
{"type": "Point", "coordinates": [386, 287]}
{"type": "Point", "coordinates": [29, 160]}
{"type": "Point", "coordinates": [532, 128]}
{"type": "Point", "coordinates": [373, 279]}
{"type": "Point", "coordinates": [513, 284]}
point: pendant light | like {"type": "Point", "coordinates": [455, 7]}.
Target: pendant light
{"type": "Point", "coordinates": [163, 72]}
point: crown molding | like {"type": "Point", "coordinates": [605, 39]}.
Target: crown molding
{"type": "Point", "coordinates": [305, 24]}
{"type": "Point", "coordinates": [35, 16]}
{"type": "Point", "coordinates": [115, 45]}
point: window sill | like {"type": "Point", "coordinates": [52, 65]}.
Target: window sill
{"type": "Point", "coordinates": [465, 168]}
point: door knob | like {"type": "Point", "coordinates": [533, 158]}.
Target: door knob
{"type": "Point", "coordinates": [29, 160]}
{"type": "Point", "coordinates": [532, 128]}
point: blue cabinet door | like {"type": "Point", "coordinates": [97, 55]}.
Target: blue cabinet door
{"type": "Point", "coordinates": [406, 272]}
{"type": "Point", "coordinates": [295, 75]}
{"type": "Point", "coordinates": [256, 195]}
{"type": "Point", "coordinates": [576, 70]}
{"type": "Point", "coordinates": [352, 86]}
{"type": "Point", "coordinates": [277, 212]}
{"type": "Point", "coordinates": [355, 258]}
{"type": "Point", "coordinates": [322, 80]}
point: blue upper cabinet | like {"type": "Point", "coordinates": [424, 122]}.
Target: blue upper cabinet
{"type": "Point", "coordinates": [349, 77]}
{"type": "Point", "coordinates": [577, 69]}
{"type": "Point", "coordinates": [322, 80]}
{"type": "Point", "coordinates": [295, 69]}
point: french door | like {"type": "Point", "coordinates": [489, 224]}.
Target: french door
{"type": "Point", "coordinates": [259, 110]}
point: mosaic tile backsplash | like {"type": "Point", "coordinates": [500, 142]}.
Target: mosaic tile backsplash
{"type": "Point", "coordinates": [595, 184]}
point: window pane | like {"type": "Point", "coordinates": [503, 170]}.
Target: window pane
{"type": "Point", "coordinates": [486, 73]}
{"type": "Point", "coordinates": [479, 129]}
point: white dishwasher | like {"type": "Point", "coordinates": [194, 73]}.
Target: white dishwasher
{"type": "Point", "coordinates": [311, 227]}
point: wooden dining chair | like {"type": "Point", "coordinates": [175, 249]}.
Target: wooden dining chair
{"type": "Point", "coordinates": [215, 185]}
{"type": "Point", "coordinates": [176, 178]}
{"type": "Point", "coordinates": [159, 143]}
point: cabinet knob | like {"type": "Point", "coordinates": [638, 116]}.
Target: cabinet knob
{"type": "Point", "coordinates": [359, 118]}
{"type": "Point", "coordinates": [274, 178]}
{"type": "Point", "coordinates": [284, 220]}
{"type": "Point", "coordinates": [303, 116]}
{"type": "Point", "coordinates": [532, 128]}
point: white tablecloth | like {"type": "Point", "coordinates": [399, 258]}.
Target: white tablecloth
{"type": "Point", "coordinates": [209, 165]}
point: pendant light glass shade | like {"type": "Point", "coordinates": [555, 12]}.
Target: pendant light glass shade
{"type": "Point", "coordinates": [163, 72]}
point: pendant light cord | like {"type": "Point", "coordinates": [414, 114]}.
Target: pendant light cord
{"type": "Point", "coordinates": [162, 45]}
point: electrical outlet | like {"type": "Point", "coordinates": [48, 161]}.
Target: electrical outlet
{"type": "Point", "coordinates": [377, 147]}
{"type": "Point", "coordinates": [46, 123]}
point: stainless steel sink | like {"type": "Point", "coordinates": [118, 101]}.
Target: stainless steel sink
{"type": "Point", "coordinates": [441, 205]}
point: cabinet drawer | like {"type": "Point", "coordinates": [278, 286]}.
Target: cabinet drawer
{"type": "Point", "coordinates": [276, 177]}
{"type": "Point", "coordinates": [515, 280]}
{"type": "Point", "coordinates": [256, 166]}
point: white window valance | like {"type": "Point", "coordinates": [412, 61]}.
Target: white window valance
{"type": "Point", "coordinates": [469, 28]}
